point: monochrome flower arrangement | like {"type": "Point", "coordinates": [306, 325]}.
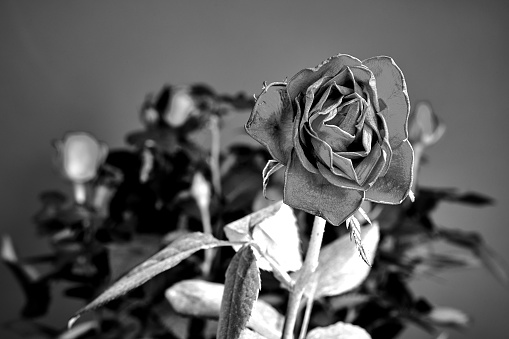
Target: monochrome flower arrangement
{"type": "Point", "coordinates": [172, 238]}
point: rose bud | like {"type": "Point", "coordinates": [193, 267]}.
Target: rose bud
{"type": "Point", "coordinates": [181, 108]}
{"type": "Point", "coordinates": [79, 156]}
{"type": "Point", "coordinates": [341, 131]}
{"type": "Point", "coordinates": [424, 130]}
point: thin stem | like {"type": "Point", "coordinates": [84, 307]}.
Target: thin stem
{"type": "Point", "coordinates": [207, 229]}
{"type": "Point", "coordinates": [80, 193]}
{"type": "Point", "coordinates": [309, 307]}
{"type": "Point", "coordinates": [304, 276]}
{"type": "Point", "coordinates": [215, 153]}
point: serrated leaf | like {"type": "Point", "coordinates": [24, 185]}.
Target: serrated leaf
{"type": "Point", "coordinates": [278, 237]}
{"type": "Point", "coordinates": [242, 285]}
{"type": "Point", "coordinates": [202, 299]}
{"type": "Point", "coordinates": [339, 330]}
{"type": "Point", "coordinates": [340, 267]}
{"type": "Point", "coordinates": [162, 261]}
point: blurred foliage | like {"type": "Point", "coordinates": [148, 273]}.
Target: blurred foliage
{"type": "Point", "coordinates": [165, 186]}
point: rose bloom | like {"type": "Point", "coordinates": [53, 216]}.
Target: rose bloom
{"type": "Point", "coordinates": [341, 131]}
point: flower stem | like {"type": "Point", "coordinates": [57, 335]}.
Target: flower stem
{"type": "Point", "coordinates": [80, 193]}
{"type": "Point", "coordinates": [207, 229]}
{"type": "Point", "coordinates": [304, 276]}
{"type": "Point", "coordinates": [215, 153]}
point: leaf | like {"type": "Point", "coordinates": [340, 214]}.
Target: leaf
{"type": "Point", "coordinates": [82, 330]}
{"type": "Point", "coordinates": [242, 285]}
{"type": "Point", "coordinates": [124, 256]}
{"type": "Point", "coordinates": [348, 300]}
{"type": "Point", "coordinates": [248, 334]}
{"type": "Point", "coordinates": [277, 237]}
{"type": "Point", "coordinates": [428, 198]}
{"type": "Point", "coordinates": [473, 198]}
{"type": "Point", "coordinates": [340, 267]}
{"type": "Point", "coordinates": [339, 330]}
{"type": "Point", "coordinates": [202, 299]}
{"type": "Point", "coordinates": [474, 242]}
{"type": "Point", "coordinates": [447, 316]}
{"type": "Point", "coordinates": [238, 229]}
{"type": "Point", "coordinates": [35, 286]}
{"type": "Point", "coordinates": [162, 261]}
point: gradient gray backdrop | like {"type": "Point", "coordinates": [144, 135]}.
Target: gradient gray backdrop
{"type": "Point", "coordinates": [87, 65]}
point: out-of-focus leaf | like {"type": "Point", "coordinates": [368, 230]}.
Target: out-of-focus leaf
{"type": "Point", "coordinates": [348, 300]}
{"type": "Point", "coordinates": [450, 317]}
{"type": "Point", "coordinates": [35, 286]}
{"type": "Point", "coordinates": [277, 236]}
{"type": "Point", "coordinates": [176, 324]}
{"type": "Point", "coordinates": [242, 285]}
{"type": "Point", "coordinates": [241, 179]}
{"type": "Point", "coordinates": [339, 330]}
{"type": "Point", "coordinates": [162, 261]}
{"type": "Point", "coordinates": [30, 329]}
{"type": "Point", "coordinates": [124, 256]}
{"type": "Point", "coordinates": [248, 334]}
{"type": "Point", "coordinates": [474, 242]}
{"type": "Point", "coordinates": [473, 198]}
{"type": "Point", "coordinates": [439, 261]}
{"type": "Point", "coordinates": [82, 330]}
{"type": "Point", "coordinates": [428, 198]}
{"type": "Point", "coordinates": [340, 267]}
{"type": "Point", "coordinates": [202, 299]}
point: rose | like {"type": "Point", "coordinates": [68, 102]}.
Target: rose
{"type": "Point", "coordinates": [341, 131]}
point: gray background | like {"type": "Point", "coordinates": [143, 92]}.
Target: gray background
{"type": "Point", "coordinates": [76, 65]}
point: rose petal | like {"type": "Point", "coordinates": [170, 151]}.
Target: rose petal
{"type": "Point", "coordinates": [339, 180]}
{"type": "Point", "coordinates": [393, 188]}
{"type": "Point", "coordinates": [332, 135]}
{"type": "Point", "coordinates": [326, 155]}
{"type": "Point", "coordinates": [310, 96]}
{"type": "Point", "coordinates": [364, 76]}
{"type": "Point", "coordinates": [392, 90]}
{"type": "Point", "coordinates": [371, 166]}
{"type": "Point", "coordinates": [301, 142]}
{"type": "Point", "coordinates": [330, 67]}
{"type": "Point", "coordinates": [313, 194]}
{"type": "Point", "coordinates": [271, 122]}
{"type": "Point", "coordinates": [351, 113]}
{"type": "Point", "coordinates": [331, 98]}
